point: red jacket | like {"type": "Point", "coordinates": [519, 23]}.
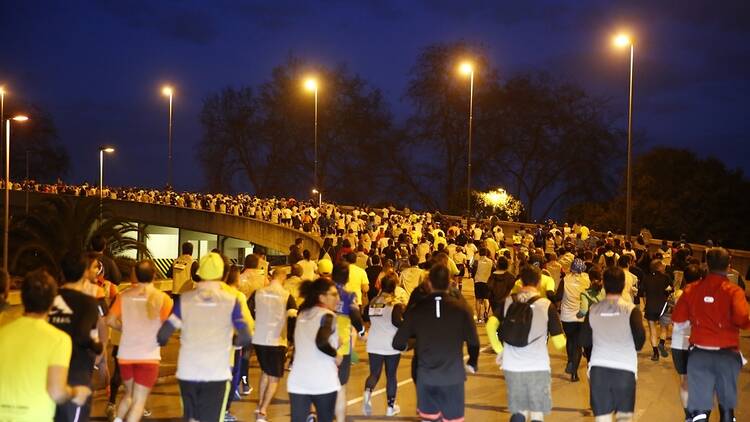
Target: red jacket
{"type": "Point", "coordinates": [717, 310]}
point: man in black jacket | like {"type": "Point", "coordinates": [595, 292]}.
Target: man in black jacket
{"type": "Point", "coordinates": [440, 324]}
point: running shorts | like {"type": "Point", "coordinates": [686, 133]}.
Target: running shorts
{"type": "Point", "coordinates": [612, 390]}
{"type": "Point", "coordinates": [271, 359]}
{"type": "Point", "coordinates": [204, 401]}
{"type": "Point", "coordinates": [441, 402]}
{"type": "Point", "coordinates": [529, 390]}
{"type": "Point", "coordinates": [144, 374]}
{"type": "Point", "coordinates": [481, 290]}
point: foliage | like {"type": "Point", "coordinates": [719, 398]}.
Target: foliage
{"type": "Point", "coordinates": [675, 193]}
{"type": "Point", "coordinates": [498, 203]}
{"type": "Point", "coordinates": [61, 224]}
{"type": "Point", "coordinates": [35, 139]}
{"type": "Point", "coordinates": [265, 135]}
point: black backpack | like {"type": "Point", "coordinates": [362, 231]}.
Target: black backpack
{"type": "Point", "coordinates": [516, 323]}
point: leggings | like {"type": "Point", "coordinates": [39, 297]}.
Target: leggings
{"type": "Point", "coordinates": [236, 376]}
{"type": "Point", "coordinates": [572, 347]}
{"type": "Point", "coordinates": [116, 381]}
{"type": "Point", "coordinates": [376, 366]}
{"type": "Point", "coordinates": [325, 406]}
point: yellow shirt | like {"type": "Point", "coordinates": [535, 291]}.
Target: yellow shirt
{"type": "Point", "coordinates": [546, 284]}
{"type": "Point", "coordinates": [29, 347]}
{"type": "Point", "coordinates": [357, 278]}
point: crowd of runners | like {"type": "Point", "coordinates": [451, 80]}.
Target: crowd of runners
{"type": "Point", "coordinates": [395, 281]}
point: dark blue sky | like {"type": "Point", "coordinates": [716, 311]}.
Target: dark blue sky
{"type": "Point", "coordinates": [97, 66]}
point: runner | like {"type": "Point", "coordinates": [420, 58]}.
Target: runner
{"type": "Point", "coordinates": [482, 274]}
{"type": "Point", "coordinates": [77, 314]}
{"type": "Point", "coordinates": [139, 312]}
{"type": "Point", "coordinates": [717, 310]}
{"type": "Point", "coordinates": [441, 324]}
{"type": "Point", "coordinates": [313, 379]}
{"type": "Point", "coordinates": [207, 316]}
{"type": "Point", "coordinates": [273, 308]}
{"type": "Point", "coordinates": [34, 358]}
{"type": "Point", "coordinates": [656, 288]}
{"type": "Point", "coordinates": [386, 315]}
{"type": "Point", "coordinates": [614, 330]}
{"type": "Point", "coordinates": [569, 292]}
{"type": "Point", "coordinates": [681, 339]}
{"type": "Point", "coordinates": [523, 354]}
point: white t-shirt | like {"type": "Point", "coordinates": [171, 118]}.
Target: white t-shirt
{"type": "Point", "coordinates": [308, 269]}
{"type": "Point", "coordinates": [535, 356]}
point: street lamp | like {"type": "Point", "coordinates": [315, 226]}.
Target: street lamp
{"type": "Point", "coordinates": [102, 150]}
{"type": "Point", "coordinates": [467, 68]}
{"type": "Point", "coordinates": [6, 220]}
{"type": "Point", "coordinates": [311, 85]}
{"type": "Point", "coordinates": [169, 92]}
{"type": "Point", "coordinates": [623, 41]}
{"type": "Point", "coordinates": [320, 196]}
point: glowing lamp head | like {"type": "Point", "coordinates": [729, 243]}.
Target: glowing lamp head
{"type": "Point", "coordinates": [20, 118]}
{"type": "Point", "coordinates": [2, 90]}
{"type": "Point", "coordinates": [311, 84]}
{"type": "Point", "coordinates": [622, 40]}
{"type": "Point", "coordinates": [315, 191]}
{"type": "Point", "coordinates": [108, 149]}
{"type": "Point", "coordinates": [167, 90]}
{"type": "Point", "coordinates": [466, 68]}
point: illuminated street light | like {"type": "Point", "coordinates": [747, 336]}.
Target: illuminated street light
{"type": "Point", "coordinates": [168, 91]}
{"type": "Point", "coordinates": [320, 196]}
{"type": "Point", "coordinates": [102, 150]}
{"type": "Point", "coordinates": [311, 84]}
{"type": "Point", "coordinates": [623, 41]}
{"type": "Point", "coordinates": [6, 219]}
{"type": "Point", "coordinates": [467, 68]}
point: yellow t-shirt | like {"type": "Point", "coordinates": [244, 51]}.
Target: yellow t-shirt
{"type": "Point", "coordinates": [546, 284]}
{"type": "Point", "coordinates": [357, 278]}
{"type": "Point", "coordinates": [29, 347]}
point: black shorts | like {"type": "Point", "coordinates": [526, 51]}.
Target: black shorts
{"type": "Point", "coordinates": [481, 290]}
{"type": "Point", "coordinates": [612, 390]}
{"type": "Point", "coordinates": [439, 402]}
{"type": "Point", "coordinates": [680, 360]}
{"type": "Point", "coordinates": [204, 401]}
{"type": "Point", "coordinates": [271, 359]}
{"type": "Point", "coordinates": [345, 369]}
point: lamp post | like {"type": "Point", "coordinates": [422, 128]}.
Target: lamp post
{"type": "Point", "coordinates": [320, 196]}
{"type": "Point", "coordinates": [102, 150]}
{"type": "Point", "coordinates": [467, 68]}
{"type": "Point", "coordinates": [169, 92]}
{"type": "Point", "coordinates": [6, 219]}
{"type": "Point", "coordinates": [622, 41]}
{"type": "Point", "coordinates": [311, 84]}
{"type": "Point", "coordinates": [2, 112]}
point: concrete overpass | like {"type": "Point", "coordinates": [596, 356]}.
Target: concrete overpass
{"type": "Point", "coordinates": [269, 235]}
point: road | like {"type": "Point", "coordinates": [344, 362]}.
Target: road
{"type": "Point", "coordinates": [657, 392]}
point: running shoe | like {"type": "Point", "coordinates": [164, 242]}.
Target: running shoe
{"type": "Point", "coordinates": [312, 417]}
{"type": "Point", "coordinates": [260, 417]}
{"type": "Point", "coordinates": [146, 413]}
{"type": "Point", "coordinates": [663, 350]}
{"type": "Point", "coordinates": [393, 410]}
{"type": "Point", "coordinates": [228, 417]}
{"type": "Point", "coordinates": [110, 411]}
{"type": "Point", "coordinates": [655, 356]}
{"type": "Point", "coordinates": [367, 403]}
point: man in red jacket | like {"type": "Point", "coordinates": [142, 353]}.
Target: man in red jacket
{"type": "Point", "coordinates": [717, 310]}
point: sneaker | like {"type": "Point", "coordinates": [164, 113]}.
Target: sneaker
{"type": "Point", "coordinates": [663, 350]}
{"type": "Point", "coordinates": [393, 410]}
{"type": "Point", "coordinates": [367, 403]}
{"type": "Point", "coordinates": [655, 356]}
{"type": "Point", "coordinates": [245, 389]}
{"type": "Point", "coordinates": [261, 417]}
{"type": "Point", "coordinates": [228, 417]}
{"type": "Point", "coordinates": [146, 413]}
{"type": "Point", "coordinates": [110, 411]}
{"type": "Point", "coordinates": [312, 417]}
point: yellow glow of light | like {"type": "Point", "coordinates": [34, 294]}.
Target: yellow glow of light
{"type": "Point", "coordinates": [315, 191]}
{"type": "Point", "coordinates": [622, 40]}
{"type": "Point", "coordinates": [311, 84]}
{"type": "Point", "coordinates": [2, 90]}
{"type": "Point", "coordinates": [467, 68]}
{"type": "Point", "coordinates": [167, 90]}
{"type": "Point", "coordinates": [495, 198]}
{"type": "Point", "coordinates": [108, 149]}
{"type": "Point", "coordinates": [20, 118]}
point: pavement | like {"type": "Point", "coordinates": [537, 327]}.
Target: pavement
{"type": "Point", "coordinates": [657, 390]}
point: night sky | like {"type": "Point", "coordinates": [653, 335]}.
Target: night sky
{"type": "Point", "coordinates": [98, 66]}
